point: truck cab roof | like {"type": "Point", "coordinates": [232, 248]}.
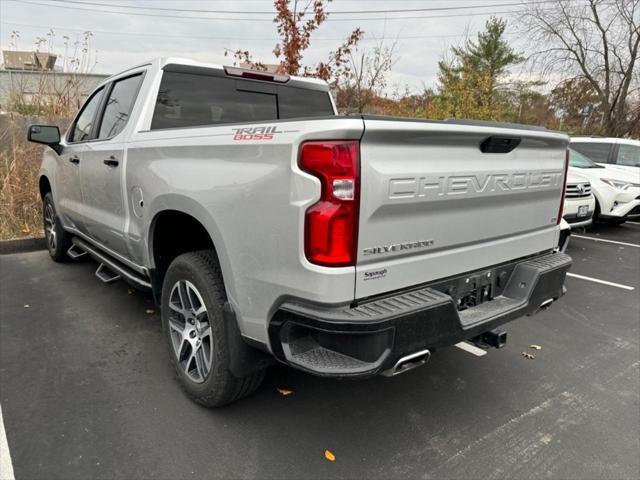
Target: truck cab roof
{"type": "Point", "coordinates": [161, 63]}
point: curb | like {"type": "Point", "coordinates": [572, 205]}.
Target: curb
{"type": "Point", "coordinates": [22, 245]}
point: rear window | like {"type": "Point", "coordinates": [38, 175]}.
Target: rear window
{"type": "Point", "coordinates": [598, 152]}
{"type": "Point", "coordinates": [299, 102]}
{"type": "Point", "coordinates": [188, 100]}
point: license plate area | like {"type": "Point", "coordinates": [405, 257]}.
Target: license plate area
{"type": "Point", "coordinates": [476, 288]}
{"type": "Point", "coordinates": [583, 210]}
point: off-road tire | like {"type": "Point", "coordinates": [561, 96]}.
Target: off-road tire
{"type": "Point", "coordinates": [220, 387]}
{"type": "Point", "coordinates": [62, 241]}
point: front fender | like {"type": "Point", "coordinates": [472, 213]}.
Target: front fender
{"type": "Point", "coordinates": [48, 169]}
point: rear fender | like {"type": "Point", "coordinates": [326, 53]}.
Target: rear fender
{"type": "Point", "coordinates": [188, 206]}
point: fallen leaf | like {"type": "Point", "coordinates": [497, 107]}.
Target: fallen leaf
{"type": "Point", "coordinates": [329, 456]}
{"type": "Point", "coordinates": [284, 392]}
{"type": "Point", "coordinates": [130, 291]}
{"type": "Point", "coordinates": [149, 311]}
{"type": "Point", "coordinates": [535, 347]}
{"type": "Point", "coordinates": [528, 355]}
{"type": "Point", "coordinates": [26, 306]}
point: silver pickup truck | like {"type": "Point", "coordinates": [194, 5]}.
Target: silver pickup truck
{"type": "Point", "coordinates": [271, 229]}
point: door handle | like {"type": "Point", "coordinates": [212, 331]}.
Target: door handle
{"type": "Point", "coordinates": [75, 159]}
{"type": "Point", "coordinates": [111, 161]}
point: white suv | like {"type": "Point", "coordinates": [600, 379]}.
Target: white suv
{"type": "Point", "coordinates": [579, 203]}
{"type": "Point", "coordinates": [616, 190]}
{"type": "Point", "coordinates": [620, 153]}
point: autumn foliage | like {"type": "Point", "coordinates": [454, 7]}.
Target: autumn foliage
{"type": "Point", "coordinates": [592, 47]}
{"type": "Point", "coordinates": [295, 26]}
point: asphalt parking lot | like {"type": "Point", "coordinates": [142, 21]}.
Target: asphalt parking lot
{"type": "Point", "coordinates": [87, 391]}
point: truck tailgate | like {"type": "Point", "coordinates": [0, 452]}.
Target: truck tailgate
{"type": "Point", "coordinates": [433, 204]}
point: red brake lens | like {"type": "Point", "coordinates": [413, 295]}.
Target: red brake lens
{"type": "Point", "coordinates": [331, 224]}
{"type": "Point", "coordinates": [256, 74]}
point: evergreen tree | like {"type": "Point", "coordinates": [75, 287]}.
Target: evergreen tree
{"type": "Point", "coordinates": [470, 79]}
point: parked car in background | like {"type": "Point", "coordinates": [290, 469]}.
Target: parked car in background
{"type": "Point", "coordinates": [616, 191]}
{"type": "Point", "coordinates": [579, 203]}
{"type": "Point", "coordinates": [620, 153]}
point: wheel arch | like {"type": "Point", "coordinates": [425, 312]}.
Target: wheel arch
{"type": "Point", "coordinates": [597, 209]}
{"type": "Point", "coordinates": [44, 185]}
{"type": "Point", "coordinates": [181, 226]}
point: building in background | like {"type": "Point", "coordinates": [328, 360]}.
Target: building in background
{"type": "Point", "coordinates": [30, 83]}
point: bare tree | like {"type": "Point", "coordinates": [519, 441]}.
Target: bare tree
{"type": "Point", "coordinates": [365, 76]}
{"type": "Point", "coordinates": [594, 40]}
{"type": "Point", "coordinates": [53, 92]}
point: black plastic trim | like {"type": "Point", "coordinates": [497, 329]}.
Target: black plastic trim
{"type": "Point", "coordinates": [243, 358]}
{"type": "Point", "coordinates": [423, 318]}
{"type": "Point", "coordinates": [499, 144]}
{"type": "Point", "coordinates": [574, 218]}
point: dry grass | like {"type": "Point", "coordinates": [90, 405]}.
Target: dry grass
{"type": "Point", "coordinates": [48, 100]}
{"type": "Point", "coordinates": [19, 197]}
{"type": "Point", "coordinates": [20, 209]}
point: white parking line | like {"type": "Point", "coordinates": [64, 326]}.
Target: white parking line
{"type": "Point", "coordinates": [472, 349]}
{"type": "Point", "coordinates": [633, 223]}
{"type": "Point", "coordinates": [607, 241]}
{"type": "Point", "coordinates": [6, 468]}
{"type": "Point", "coordinates": [603, 282]}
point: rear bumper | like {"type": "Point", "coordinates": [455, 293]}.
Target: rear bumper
{"type": "Point", "coordinates": [579, 222]}
{"type": "Point", "coordinates": [364, 340]}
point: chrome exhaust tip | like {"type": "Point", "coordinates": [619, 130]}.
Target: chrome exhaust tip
{"type": "Point", "coordinates": [408, 363]}
{"type": "Point", "coordinates": [546, 304]}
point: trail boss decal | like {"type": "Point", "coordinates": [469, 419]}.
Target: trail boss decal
{"type": "Point", "coordinates": [255, 133]}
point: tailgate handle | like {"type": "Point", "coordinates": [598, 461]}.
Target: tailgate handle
{"type": "Point", "coordinates": [499, 144]}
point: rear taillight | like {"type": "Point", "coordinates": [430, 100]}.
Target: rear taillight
{"type": "Point", "coordinates": [331, 224]}
{"type": "Point", "coordinates": [564, 187]}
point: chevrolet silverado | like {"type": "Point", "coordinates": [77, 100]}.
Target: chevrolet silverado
{"type": "Point", "coordinates": [269, 228]}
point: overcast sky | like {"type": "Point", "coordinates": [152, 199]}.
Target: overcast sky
{"type": "Point", "coordinates": [128, 36]}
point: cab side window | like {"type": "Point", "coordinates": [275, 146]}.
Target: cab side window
{"type": "Point", "coordinates": [119, 106]}
{"type": "Point", "coordinates": [84, 123]}
{"type": "Point", "coordinates": [628, 155]}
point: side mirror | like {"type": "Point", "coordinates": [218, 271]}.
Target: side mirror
{"type": "Point", "coordinates": [45, 134]}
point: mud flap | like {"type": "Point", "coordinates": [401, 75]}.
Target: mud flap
{"type": "Point", "coordinates": [243, 359]}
